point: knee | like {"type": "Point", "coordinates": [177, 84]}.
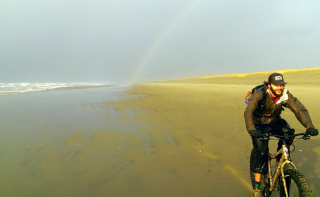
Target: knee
{"type": "Point", "coordinates": [288, 130]}
{"type": "Point", "coordinates": [280, 126]}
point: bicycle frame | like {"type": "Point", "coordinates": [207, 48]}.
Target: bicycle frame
{"type": "Point", "coordinates": [279, 171]}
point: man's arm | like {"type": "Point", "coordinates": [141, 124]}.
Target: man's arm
{"type": "Point", "coordinates": [299, 111]}
{"type": "Point", "coordinates": [251, 107]}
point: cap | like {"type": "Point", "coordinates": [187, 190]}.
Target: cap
{"type": "Point", "coordinates": [276, 79]}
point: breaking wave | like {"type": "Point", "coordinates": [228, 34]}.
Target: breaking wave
{"type": "Point", "coordinates": [14, 88]}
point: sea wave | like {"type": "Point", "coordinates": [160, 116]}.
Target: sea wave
{"type": "Point", "coordinates": [15, 88]}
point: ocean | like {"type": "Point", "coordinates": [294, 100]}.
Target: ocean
{"type": "Point", "coordinates": [48, 136]}
{"type": "Point", "coordinates": [14, 88]}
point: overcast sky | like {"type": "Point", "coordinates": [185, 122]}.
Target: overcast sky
{"type": "Point", "coordinates": [118, 41]}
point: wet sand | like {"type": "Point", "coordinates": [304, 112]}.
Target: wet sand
{"type": "Point", "coordinates": [196, 127]}
{"type": "Point", "coordinates": [178, 138]}
{"type": "Point", "coordinates": [202, 125]}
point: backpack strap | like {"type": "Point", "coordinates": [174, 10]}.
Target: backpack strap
{"type": "Point", "coordinates": [254, 91]}
{"type": "Point", "coordinates": [264, 99]}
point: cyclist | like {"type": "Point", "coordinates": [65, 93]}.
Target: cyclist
{"type": "Point", "coordinates": [261, 115]}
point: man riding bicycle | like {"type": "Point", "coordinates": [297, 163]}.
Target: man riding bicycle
{"type": "Point", "coordinates": [263, 111]}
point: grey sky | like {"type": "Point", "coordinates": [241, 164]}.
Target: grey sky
{"type": "Point", "coordinates": [107, 41]}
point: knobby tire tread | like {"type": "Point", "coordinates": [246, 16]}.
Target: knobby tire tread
{"type": "Point", "coordinates": [300, 180]}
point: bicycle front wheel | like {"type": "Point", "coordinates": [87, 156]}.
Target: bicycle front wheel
{"type": "Point", "coordinates": [296, 183]}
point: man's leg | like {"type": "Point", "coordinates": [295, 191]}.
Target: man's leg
{"type": "Point", "coordinates": [260, 160]}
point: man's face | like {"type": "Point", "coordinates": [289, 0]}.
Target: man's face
{"type": "Point", "coordinates": [276, 89]}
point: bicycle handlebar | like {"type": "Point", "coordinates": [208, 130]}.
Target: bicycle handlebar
{"type": "Point", "coordinates": [266, 136]}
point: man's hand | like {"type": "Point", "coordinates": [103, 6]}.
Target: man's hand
{"type": "Point", "coordinates": [312, 131]}
{"type": "Point", "coordinates": [255, 133]}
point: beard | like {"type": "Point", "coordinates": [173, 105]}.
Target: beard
{"type": "Point", "coordinates": [274, 92]}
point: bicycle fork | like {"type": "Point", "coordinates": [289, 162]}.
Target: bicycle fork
{"type": "Point", "coordinates": [279, 171]}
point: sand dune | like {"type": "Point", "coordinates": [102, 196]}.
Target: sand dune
{"type": "Point", "coordinates": [290, 71]}
{"type": "Point", "coordinates": [309, 76]}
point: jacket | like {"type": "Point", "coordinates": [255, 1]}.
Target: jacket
{"type": "Point", "coordinates": [254, 114]}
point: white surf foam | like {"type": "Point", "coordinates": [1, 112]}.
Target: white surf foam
{"type": "Point", "coordinates": [14, 88]}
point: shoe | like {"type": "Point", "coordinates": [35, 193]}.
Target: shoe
{"type": "Point", "coordinates": [257, 193]}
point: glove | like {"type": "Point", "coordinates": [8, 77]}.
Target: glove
{"type": "Point", "coordinates": [255, 133]}
{"type": "Point", "coordinates": [312, 131]}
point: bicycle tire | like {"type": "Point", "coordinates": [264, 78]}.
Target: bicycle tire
{"type": "Point", "coordinates": [265, 180]}
{"type": "Point", "coordinates": [297, 184]}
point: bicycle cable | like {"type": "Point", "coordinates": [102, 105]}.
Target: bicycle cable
{"type": "Point", "coordinates": [294, 147]}
{"type": "Point", "coordinates": [287, 140]}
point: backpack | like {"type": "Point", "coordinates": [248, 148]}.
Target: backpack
{"type": "Point", "coordinates": [254, 91]}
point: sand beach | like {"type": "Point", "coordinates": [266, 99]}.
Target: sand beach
{"type": "Point", "coordinates": [183, 137]}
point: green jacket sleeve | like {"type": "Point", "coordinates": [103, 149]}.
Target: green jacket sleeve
{"type": "Point", "coordinates": [299, 111]}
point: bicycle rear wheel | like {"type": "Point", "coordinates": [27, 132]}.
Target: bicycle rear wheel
{"type": "Point", "coordinates": [296, 183]}
{"type": "Point", "coordinates": [265, 183]}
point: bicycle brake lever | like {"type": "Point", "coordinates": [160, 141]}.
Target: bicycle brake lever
{"type": "Point", "coordinates": [306, 137]}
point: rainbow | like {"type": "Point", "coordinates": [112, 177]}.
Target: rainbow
{"type": "Point", "coordinates": [160, 38]}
